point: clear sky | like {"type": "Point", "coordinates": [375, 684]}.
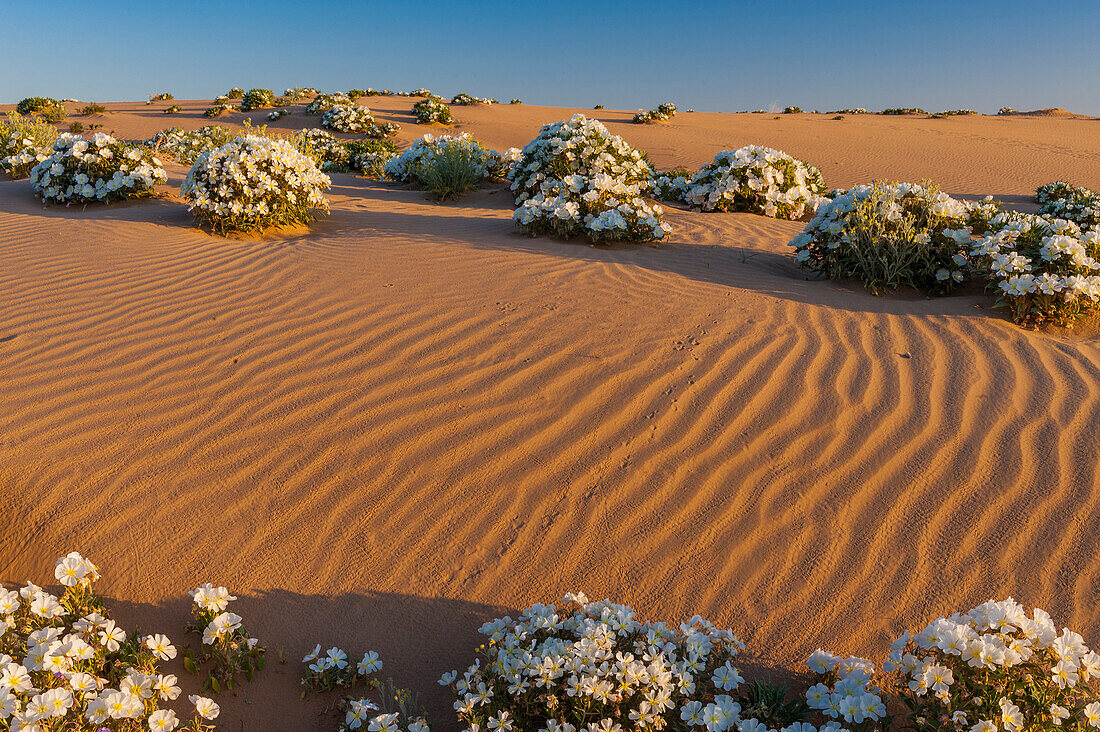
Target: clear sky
{"type": "Point", "coordinates": [710, 56]}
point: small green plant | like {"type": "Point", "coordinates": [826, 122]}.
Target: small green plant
{"type": "Point", "coordinates": [76, 127]}
{"type": "Point", "coordinates": [354, 94]}
{"type": "Point", "coordinates": [174, 109]}
{"type": "Point", "coordinates": [162, 97]}
{"type": "Point", "coordinates": [793, 110]}
{"type": "Point", "coordinates": [598, 106]}
{"type": "Point", "coordinates": [662, 113]}
{"type": "Point", "coordinates": [838, 117]}
{"type": "Point", "coordinates": [217, 110]}
{"type": "Point", "coordinates": [93, 108]}
{"type": "Point", "coordinates": [48, 109]}
{"type": "Point", "coordinates": [452, 171]}
{"type": "Point", "coordinates": [257, 99]}
{"type": "Point", "coordinates": [516, 101]}
{"type": "Point", "coordinates": [24, 142]}
{"type": "Point", "coordinates": [370, 156]}
{"type": "Point", "coordinates": [903, 110]}
{"type": "Point", "coordinates": [235, 93]}
{"type": "Point", "coordinates": [768, 703]}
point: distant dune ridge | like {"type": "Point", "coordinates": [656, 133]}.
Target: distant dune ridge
{"type": "Point", "coordinates": [412, 418]}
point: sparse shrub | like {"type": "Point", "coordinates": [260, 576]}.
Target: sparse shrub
{"type": "Point", "coordinates": [323, 102]}
{"type": "Point", "coordinates": [1045, 270]}
{"type": "Point", "coordinates": [223, 99]}
{"type": "Point", "coordinates": [755, 179]}
{"type": "Point", "coordinates": [419, 93]}
{"type": "Point", "coordinates": [857, 110]}
{"type": "Point", "coordinates": [185, 146]}
{"type": "Point", "coordinates": [516, 101]}
{"type": "Point", "coordinates": [257, 99]}
{"type": "Point", "coordinates": [354, 94]}
{"type": "Point", "coordinates": [93, 108]}
{"type": "Point", "coordinates": [903, 110]}
{"type": "Point", "coordinates": [466, 100]}
{"type": "Point", "coordinates": [953, 113]}
{"type": "Point", "coordinates": [48, 109]}
{"type": "Point", "coordinates": [598, 106]}
{"type": "Point", "coordinates": [277, 114]}
{"type": "Point", "coordinates": [76, 127]}
{"type": "Point", "coordinates": [162, 97]}
{"type": "Point", "coordinates": [1007, 110]}
{"type": "Point", "coordinates": [347, 118]}
{"type": "Point", "coordinates": [576, 178]}
{"type": "Point", "coordinates": [253, 183]}
{"type": "Point", "coordinates": [448, 166]}
{"type": "Point", "coordinates": [235, 93]}
{"type": "Point", "coordinates": [217, 110]}
{"type": "Point", "coordinates": [96, 171]}
{"type": "Point", "coordinates": [662, 113]}
{"type": "Point", "coordinates": [432, 111]}
{"type": "Point", "coordinates": [792, 110]}
{"type": "Point", "coordinates": [400, 709]}
{"type": "Point", "coordinates": [892, 234]}
{"type": "Point", "coordinates": [838, 118]}
{"type": "Point", "coordinates": [1073, 203]}
{"type": "Point", "coordinates": [226, 645]}
{"type": "Point", "coordinates": [174, 109]}
{"type": "Point", "coordinates": [24, 142]}
{"type": "Point", "coordinates": [68, 666]}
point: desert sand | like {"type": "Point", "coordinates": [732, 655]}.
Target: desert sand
{"type": "Point", "coordinates": [413, 418]}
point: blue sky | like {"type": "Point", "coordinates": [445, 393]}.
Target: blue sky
{"type": "Point", "coordinates": [710, 56]}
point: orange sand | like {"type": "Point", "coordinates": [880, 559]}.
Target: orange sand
{"type": "Point", "coordinates": [412, 418]}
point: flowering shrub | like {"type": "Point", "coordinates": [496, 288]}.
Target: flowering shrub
{"type": "Point", "coordinates": [1046, 270]}
{"type": "Point", "coordinates": [216, 110]}
{"type": "Point", "coordinates": [93, 108]}
{"type": "Point", "coordinates": [593, 666]}
{"type": "Point", "coordinates": [253, 183]}
{"type": "Point", "coordinates": [516, 101]}
{"type": "Point", "coordinates": [1008, 110]}
{"type": "Point", "coordinates": [466, 100]}
{"type": "Point", "coordinates": [331, 669]}
{"type": "Point", "coordinates": [431, 110]}
{"type": "Point", "coordinates": [185, 146]}
{"type": "Point", "coordinates": [953, 113]}
{"type": "Point", "coordinates": [162, 97]}
{"type": "Point", "coordinates": [225, 642]}
{"type": "Point", "coordinates": [892, 234]}
{"type": "Point", "coordinates": [347, 118]}
{"type": "Point", "coordinates": [323, 102]}
{"type": "Point", "coordinates": [235, 93]}
{"type": "Point", "coordinates": [1073, 203]}
{"type": "Point", "coordinates": [24, 142]}
{"type": "Point", "coordinates": [326, 150]}
{"type": "Point", "coordinates": [277, 114]}
{"type": "Point", "coordinates": [100, 170]}
{"type": "Point", "coordinates": [755, 179]}
{"type": "Point", "coordinates": [662, 113]}
{"type": "Point", "coordinates": [297, 92]}
{"type": "Point", "coordinates": [903, 110]}
{"type": "Point", "coordinates": [997, 668]}
{"type": "Point", "coordinates": [174, 109]}
{"type": "Point", "coordinates": [48, 109]}
{"type": "Point", "coordinates": [370, 156]}
{"type": "Point", "coordinates": [65, 665]}
{"type": "Point", "coordinates": [576, 178]}
{"type": "Point", "coordinates": [792, 110]}
{"type": "Point", "coordinates": [257, 99]}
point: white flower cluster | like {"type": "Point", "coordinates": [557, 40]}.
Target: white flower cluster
{"type": "Point", "coordinates": [867, 228]}
{"type": "Point", "coordinates": [185, 146]}
{"type": "Point", "coordinates": [322, 146]}
{"type": "Point", "coordinates": [324, 102]}
{"type": "Point", "coordinates": [848, 692]}
{"type": "Point", "coordinates": [254, 182]}
{"type": "Point", "coordinates": [1047, 269]}
{"type": "Point", "coordinates": [98, 170]}
{"type": "Point", "coordinates": [257, 99]}
{"type": "Point", "coordinates": [576, 178]}
{"type": "Point", "coordinates": [217, 109]}
{"type": "Point", "coordinates": [332, 668]}
{"type": "Point", "coordinates": [464, 100]}
{"type": "Point", "coordinates": [998, 668]}
{"type": "Point", "coordinates": [1066, 201]}
{"type": "Point", "coordinates": [347, 118]}
{"type": "Point", "coordinates": [432, 110]}
{"type": "Point", "coordinates": [753, 178]}
{"type": "Point", "coordinates": [489, 163]}
{"type": "Point", "coordinates": [663, 113]}
{"type": "Point", "coordinates": [277, 114]}
{"type": "Point", "coordinates": [64, 664]}
{"type": "Point", "coordinates": [593, 666]}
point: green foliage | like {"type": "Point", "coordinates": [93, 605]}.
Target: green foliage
{"type": "Point", "coordinates": [432, 111]}
{"type": "Point", "coordinates": [235, 93]}
{"type": "Point", "coordinates": [793, 110]}
{"type": "Point", "coordinates": [48, 109]}
{"type": "Point", "coordinates": [174, 109]}
{"type": "Point", "coordinates": [450, 172]}
{"type": "Point", "coordinates": [76, 127]}
{"type": "Point", "coordinates": [93, 108]}
{"type": "Point", "coordinates": [257, 99]}
{"type": "Point", "coordinates": [768, 703]}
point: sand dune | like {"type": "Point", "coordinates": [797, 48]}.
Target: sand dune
{"type": "Point", "coordinates": [412, 418]}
